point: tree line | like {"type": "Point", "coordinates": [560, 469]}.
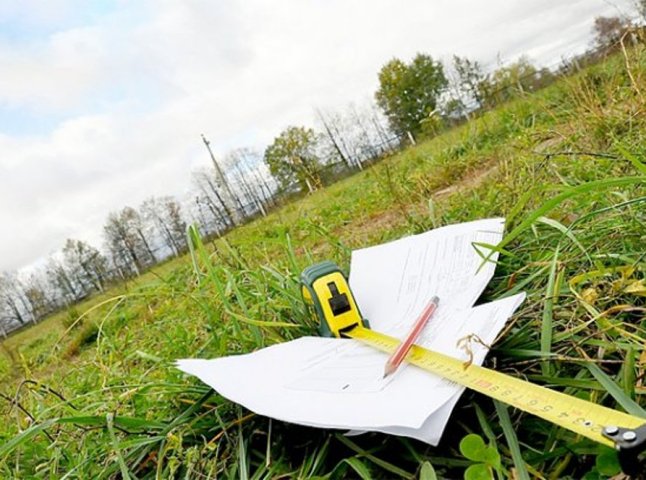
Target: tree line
{"type": "Point", "coordinates": [226, 192]}
{"type": "Point", "coordinates": [416, 98]}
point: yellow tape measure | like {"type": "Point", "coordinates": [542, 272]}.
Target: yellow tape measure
{"type": "Point", "coordinates": [580, 416]}
{"type": "Point", "coordinates": [326, 289]}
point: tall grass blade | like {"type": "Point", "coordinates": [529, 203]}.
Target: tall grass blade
{"type": "Point", "coordinates": [359, 468]}
{"type": "Point", "coordinates": [616, 392]}
{"type": "Point", "coordinates": [565, 231]}
{"type": "Point", "coordinates": [193, 240]}
{"type": "Point", "coordinates": [25, 436]}
{"type": "Point", "coordinates": [637, 163]}
{"type": "Point", "coordinates": [570, 192]}
{"type": "Point", "coordinates": [547, 327]}
{"type": "Point", "coordinates": [512, 440]}
{"type": "Point", "coordinates": [125, 473]}
{"type": "Point", "coordinates": [427, 472]}
{"type": "Point", "coordinates": [389, 467]}
{"type": "Point", "coordinates": [243, 467]}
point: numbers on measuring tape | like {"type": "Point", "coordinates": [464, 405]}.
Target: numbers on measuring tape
{"type": "Point", "coordinates": [577, 415]}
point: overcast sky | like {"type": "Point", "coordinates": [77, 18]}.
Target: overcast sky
{"type": "Point", "coordinates": [102, 103]}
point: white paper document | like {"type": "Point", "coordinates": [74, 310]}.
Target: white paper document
{"type": "Point", "coordinates": [337, 383]}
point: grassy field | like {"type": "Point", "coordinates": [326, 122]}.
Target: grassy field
{"type": "Point", "coordinates": [96, 395]}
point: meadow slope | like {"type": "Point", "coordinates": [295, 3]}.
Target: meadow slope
{"type": "Point", "coordinates": [93, 393]}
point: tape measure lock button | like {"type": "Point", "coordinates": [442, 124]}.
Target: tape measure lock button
{"type": "Point", "coordinates": [629, 443]}
{"type": "Point", "coordinates": [339, 302]}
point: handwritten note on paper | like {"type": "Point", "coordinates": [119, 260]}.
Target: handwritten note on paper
{"type": "Point", "coordinates": [337, 383]}
{"type": "Point", "coordinates": [392, 282]}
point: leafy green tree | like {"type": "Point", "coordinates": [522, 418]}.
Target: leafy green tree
{"type": "Point", "coordinates": [292, 158]}
{"type": "Point", "coordinates": [517, 78]}
{"type": "Point", "coordinates": [408, 93]}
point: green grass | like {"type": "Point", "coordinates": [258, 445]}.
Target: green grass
{"type": "Point", "coordinates": [565, 166]}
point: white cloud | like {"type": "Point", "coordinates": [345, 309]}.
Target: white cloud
{"type": "Point", "coordinates": [54, 74]}
{"type": "Point", "coordinates": [137, 85]}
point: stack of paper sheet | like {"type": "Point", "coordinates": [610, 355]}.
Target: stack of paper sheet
{"type": "Point", "coordinates": [336, 383]}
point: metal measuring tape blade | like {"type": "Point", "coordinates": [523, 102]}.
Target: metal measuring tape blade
{"type": "Point", "coordinates": [326, 289]}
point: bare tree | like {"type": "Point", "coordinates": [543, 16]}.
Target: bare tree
{"type": "Point", "coordinates": [356, 134]}
{"type": "Point", "coordinates": [69, 289]}
{"type": "Point", "coordinates": [227, 197]}
{"type": "Point", "coordinates": [609, 30]}
{"type": "Point", "coordinates": [121, 245]}
{"type": "Point", "coordinates": [245, 163]}
{"type": "Point", "coordinates": [127, 242]}
{"type": "Point", "coordinates": [211, 220]}
{"type": "Point", "coordinates": [366, 137]}
{"type": "Point", "coordinates": [205, 217]}
{"type": "Point", "coordinates": [86, 263]}
{"type": "Point", "coordinates": [12, 298]}
{"type": "Point", "coordinates": [136, 225]}
{"type": "Point", "coordinates": [38, 293]}
{"type": "Point", "coordinates": [332, 127]}
{"type": "Point", "coordinates": [165, 214]}
{"type": "Point", "coordinates": [640, 6]}
{"type": "Point", "coordinates": [386, 137]}
{"type": "Point", "coordinates": [204, 180]}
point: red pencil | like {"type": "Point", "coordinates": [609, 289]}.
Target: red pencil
{"type": "Point", "coordinates": [398, 355]}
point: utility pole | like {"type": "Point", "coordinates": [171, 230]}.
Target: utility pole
{"type": "Point", "coordinates": [228, 194]}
